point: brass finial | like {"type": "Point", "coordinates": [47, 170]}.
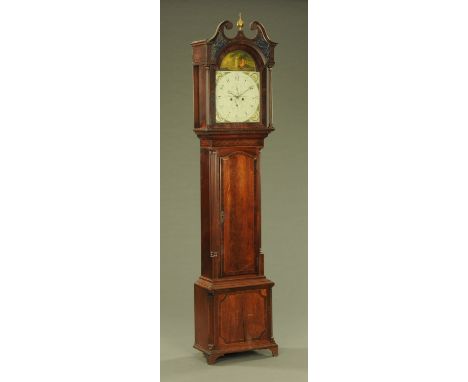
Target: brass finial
{"type": "Point", "coordinates": [240, 22]}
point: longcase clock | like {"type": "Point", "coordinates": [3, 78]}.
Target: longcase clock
{"type": "Point", "coordinates": [232, 117]}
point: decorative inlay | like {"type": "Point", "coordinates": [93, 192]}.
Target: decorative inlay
{"type": "Point", "coordinates": [263, 45]}
{"type": "Point", "coordinates": [262, 41]}
{"type": "Point", "coordinates": [218, 45]}
{"type": "Point", "coordinates": [219, 39]}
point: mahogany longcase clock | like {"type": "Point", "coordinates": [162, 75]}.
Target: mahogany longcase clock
{"type": "Point", "coordinates": [232, 117]}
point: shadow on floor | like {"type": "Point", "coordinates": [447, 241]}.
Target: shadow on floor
{"type": "Point", "coordinates": [292, 359]}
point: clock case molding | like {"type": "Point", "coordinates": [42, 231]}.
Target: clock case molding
{"type": "Point", "coordinates": [233, 298]}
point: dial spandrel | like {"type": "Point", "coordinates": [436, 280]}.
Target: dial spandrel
{"type": "Point", "coordinates": [237, 96]}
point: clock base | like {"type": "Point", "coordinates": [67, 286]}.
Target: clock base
{"type": "Point", "coordinates": [212, 356]}
{"type": "Point", "coordinates": [233, 316]}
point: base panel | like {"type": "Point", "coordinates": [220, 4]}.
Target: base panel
{"type": "Point", "coordinates": [233, 316]}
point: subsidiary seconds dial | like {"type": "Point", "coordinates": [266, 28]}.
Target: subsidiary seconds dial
{"type": "Point", "coordinates": [237, 96]}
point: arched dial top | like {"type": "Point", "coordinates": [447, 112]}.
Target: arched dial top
{"type": "Point", "coordinates": [237, 60]}
{"type": "Point", "coordinates": [260, 42]}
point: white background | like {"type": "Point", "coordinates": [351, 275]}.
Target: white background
{"type": "Point", "coordinates": [79, 191]}
{"type": "Point", "coordinates": [388, 191]}
{"type": "Point", "coordinates": [79, 198]}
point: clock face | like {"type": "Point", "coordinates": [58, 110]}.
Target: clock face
{"type": "Point", "coordinates": [237, 96]}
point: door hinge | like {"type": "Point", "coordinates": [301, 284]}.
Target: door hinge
{"type": "Point", "coordinates": [213, 254]}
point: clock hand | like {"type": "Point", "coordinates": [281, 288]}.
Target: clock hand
{"type": "Point", "coordinates": [231, 93]}
{"type": "Point", "coordinates": [246, 91]}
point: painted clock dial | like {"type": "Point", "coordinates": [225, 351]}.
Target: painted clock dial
{"type": "Point", "coordinates": [237, 96]}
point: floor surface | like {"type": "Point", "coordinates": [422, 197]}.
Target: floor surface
{"type": "Point", "coordinates": [290, 365]}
